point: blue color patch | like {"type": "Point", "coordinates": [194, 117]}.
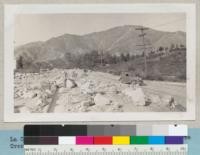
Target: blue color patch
{"type": "Point", "coordinates": [11, 142]}
{"type": "Point", "coordinates": [156, 140]}
{"type": "Point", "coordinates": [194, 141]}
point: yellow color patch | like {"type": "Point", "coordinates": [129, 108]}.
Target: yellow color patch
{"type": "Point", "coordinates": [121, 140]}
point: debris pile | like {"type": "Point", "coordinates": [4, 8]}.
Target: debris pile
{"type": "Point", "coordinates": [77, 90]}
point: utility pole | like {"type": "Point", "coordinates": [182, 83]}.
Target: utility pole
{"type": "Point", "coordinates": [143, 46]}
{"type": "Point", "coordinates": [101, 52]}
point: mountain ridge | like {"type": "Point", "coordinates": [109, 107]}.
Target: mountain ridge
{"type": "Point", "coordinates": [116, 40]}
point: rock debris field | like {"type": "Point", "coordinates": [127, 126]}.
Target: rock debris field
{"type": "Point", "coordinates": [76, 90]}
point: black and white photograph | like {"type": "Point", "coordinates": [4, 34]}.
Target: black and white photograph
{"type": "Point", "coordinates": [100, 62]}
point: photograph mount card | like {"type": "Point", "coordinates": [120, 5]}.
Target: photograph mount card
{"type": "Point", "coordinates": [99, 62]}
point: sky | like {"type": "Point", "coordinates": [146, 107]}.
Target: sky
{"type": "Point", "coordinates": [41, 27]}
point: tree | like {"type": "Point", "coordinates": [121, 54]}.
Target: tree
{"type": "Point", "coordinates": [172, 47]}
{"type": "Point", "coordinates": [166, 48]}
{"type": "Point", "coordinates": [94, 56]}
{"type": "Point", "coordinates": [142, 54]}
{"type": "Point", "coordinates": [122, 57]}
{"type": "Point", "coordinates": [114, 59]}
{"type": "Point", "coordinates": [20, 63]}
{"type": "Point", "coordinates": [68, 56]}
{"type": "Point", "coordinates": [182, 46]}
{"type": "Point", "coordinates": [177, 47]}
{"type": "Point", "coordinates": [132, 57]}
{"type": "Point", "coordinates": [127, 57]}
{"type": "Point", "coordinates": [161, 49]}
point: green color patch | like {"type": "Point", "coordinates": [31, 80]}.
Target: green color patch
{"type": "Point", "coordinates": [139, 140]}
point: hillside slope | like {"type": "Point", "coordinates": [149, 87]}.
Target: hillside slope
{"type": "Point", "coordinates": [123, 39]}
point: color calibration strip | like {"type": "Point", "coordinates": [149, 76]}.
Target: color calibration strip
{"type": "Point", "coordinates": [104, 134]}
{"type": "Point", "coordinates": [105, 130]}
{"type": "Point", "coordinates": [104, 140]}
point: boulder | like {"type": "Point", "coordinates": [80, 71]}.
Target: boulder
{"type": "Point", "coordinates": [136, 94]}
{"type": "Point", "coordinates": [88, 103]}
{"type": "Point", "coordinates": [70, 83]}
{"type": "Point", "coordinates": [59, 80]}
{"type": "Point", "coordinates": [63, 90]}
{"type": "Point", "coordinates": [83, 109]}
{"type": "Point", "coordinates": [35, 86]}
{"type": "Point", "coordinates": [88, 88]}
{"type": "Point", "coordinates": [38, 102]}
{"type": "Point", "coordinates": [45, 85]}
{"type": "Point", "coordinates": [100, 99]}
{"type": "Point", "coordinates": [29, 94]}
{"type": "Point", "coordinates": [155, 98]}
{"type": "Point", "coordinates": [24, 110]}
{"type": "Point", "coordinates": [117, 108]}
{"type": "Point", "coordinates": [167, 99]}
{"type": "Point", "coordinates": [48, 92]}
{"type": "Point", "coordinates": [147, 101]}
{"type": "Point", "coordinates": [53, 88]}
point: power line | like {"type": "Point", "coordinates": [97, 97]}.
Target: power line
{"type": "Point", "coordinates": [160, 25]}
{"type": "Point", "coordinates": [100, 51]}
{"type": "Point", "coordinates": [164, 24]}
{"type": "Point", "coordinates": [119, 39]}
{"type": "Point", "coordinates": [143, 45]}
{"type": "Point", "coordinates": [112, 45]}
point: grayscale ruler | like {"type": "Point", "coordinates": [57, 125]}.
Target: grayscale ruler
{"type": "Point", "coordinates": [106, 149]}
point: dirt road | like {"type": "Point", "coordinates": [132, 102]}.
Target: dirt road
{"type": "Point", "coordinates": [174, 89]}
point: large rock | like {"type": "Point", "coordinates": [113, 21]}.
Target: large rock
{"type": "Point", "coordinates": [87, 103]}
{"type": "Point", "coordinates": [29, 94]}
{"type": "Point", "coordinates": [59, 80]}
{"type": "Point", "coordinates": [24, 110]}
{"type": "Point", "coordinates": [117, 108]}
{"type": "Point", "coordinates": [38, 102]}
{"type": "Point", "coordinates": [45, 85]}
{"type": "Point", "coordinates": [155, 98]}
{"type": "Point", "coordinates": [88, 88]}
{"type": "Point", "coordinates": [107, 87]}
{"type": "Point", "coordinates": [63, 90]}
{"type": "Point", "coordinates": [49, 92]}
{"type": "Point", "coordinates": [166, 99]}
{"type": "Point", "coordinates": [170, 102]}
{"type": "Point", "coordinates": [35, 86]}
{"type": "Point", "coordinates": [70, 83]}
{"type": "Point", "coordinates": [136, 94]}
{"type": "Point", "coordinates": [101, 100]}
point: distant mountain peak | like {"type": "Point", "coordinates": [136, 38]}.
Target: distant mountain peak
{"type": "Point", "coordinates": [116, 40]}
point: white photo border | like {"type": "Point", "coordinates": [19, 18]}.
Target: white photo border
{"type": "Point", "coordinates": [10, 10]}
